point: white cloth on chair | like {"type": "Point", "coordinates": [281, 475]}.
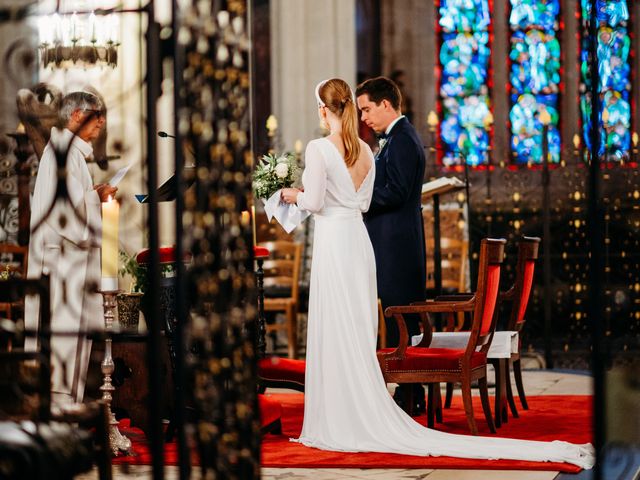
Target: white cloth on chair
{"type": "Point", "coordinates": [504, 342]}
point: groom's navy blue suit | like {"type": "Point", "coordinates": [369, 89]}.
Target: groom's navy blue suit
{"type": "Point", "coordinates": [395, 226]}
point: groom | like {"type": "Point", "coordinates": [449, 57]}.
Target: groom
{"type": "Point", "coordinates": [394, 219]}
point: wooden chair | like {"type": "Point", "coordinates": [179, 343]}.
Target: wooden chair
{"type": "Point", "coordinates": [518, 295]}
{"type": "Point", "coordinates": [273, 371]}
{"type": "Point", "coordinates": [281, 275]}
{"type": "Point", "coordinates": [455, 272]}
{"type": "Point", "coordinates": [421, 364]}
{"type": "Point", "coordinates": [382, 327]}
{"type": "Point", "coordinates": [454, 264]}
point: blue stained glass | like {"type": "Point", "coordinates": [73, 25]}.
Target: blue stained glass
{"type": "Point", "coordinates": [464, 15]}
{"type": "Point", "coordinates": [464, 130]}
{"type": "Point", "coordinates": [535, 78]}
{"type": "Point", "coordinates": [608, 12]}
{"type": "Point", "coordinates": [615, 118]}
{"type": "Point", "coordinates": [526, 128]}
{"type": "Point", "coordinates": [614, 85]}
{"type": "Point", "coordinates": [534, 13]}
{"type": "Point", "coordinates": [535, 57]}
{"type": "Point", "coordinates": [464, 56]}
{"type": "Point", "coordinates": [613, 54]}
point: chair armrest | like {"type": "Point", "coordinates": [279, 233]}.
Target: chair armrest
{"type": "Point", "coordinates": [422, 309]}
{"type": "Point", "coordinates": [454, 297]}
{"type": "Point", "coordinates": [463, 305]}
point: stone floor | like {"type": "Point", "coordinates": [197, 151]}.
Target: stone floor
{"type": "Point", "coordinates": [537, 382]}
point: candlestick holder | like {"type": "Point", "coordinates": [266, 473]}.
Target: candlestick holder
{"type": "Point", "coordinates": [119, 443]}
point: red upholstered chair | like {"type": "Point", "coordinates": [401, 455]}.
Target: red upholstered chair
{"type": "Point", "coordinates": [273, 371]}
{"type": "Point", "coordinates": [279, 372]}
{"type": "Point", "coordinates": [421, 364]}
{"type": "Point", "coordinates": [518, 295]}
{"type": "Point", "coordinates": [270, 415]}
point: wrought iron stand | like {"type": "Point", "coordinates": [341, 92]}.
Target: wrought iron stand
{"type": "Point", "coordinates": [261, 330]}
{"type": "Point", "coordinates": [119, 443]}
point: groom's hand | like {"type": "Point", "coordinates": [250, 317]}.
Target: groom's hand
{"type": "Point", "coordinates": [289, 195]}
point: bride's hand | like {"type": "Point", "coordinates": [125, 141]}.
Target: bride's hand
{"type": "Point", "coordinates": [289, 195]}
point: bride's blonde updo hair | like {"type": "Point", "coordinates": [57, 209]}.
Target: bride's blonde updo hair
{"type": "Point", "coordinates": [336, 95]}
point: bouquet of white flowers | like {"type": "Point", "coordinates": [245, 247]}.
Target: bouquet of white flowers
{"type": "Point", "coordinates": [271, 175]}
{"type": "Point", "coordinates": [274, 173]}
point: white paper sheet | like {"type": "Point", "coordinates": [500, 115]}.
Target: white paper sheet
{"type": "Point", "coordinates": [287, 215]}
{"type": "Point", "coordinates": [115, 180]}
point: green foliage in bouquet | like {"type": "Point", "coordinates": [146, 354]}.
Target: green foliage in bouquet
{"type": "Point", "coordinates": [273, 173]}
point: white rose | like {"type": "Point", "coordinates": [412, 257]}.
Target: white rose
{"type": "Point", "coordinates": [282, 170]}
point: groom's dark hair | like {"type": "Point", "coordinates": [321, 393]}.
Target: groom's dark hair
{"type": "Point", "coordinates": [381, 88]}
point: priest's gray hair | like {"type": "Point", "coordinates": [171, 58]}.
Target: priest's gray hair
{"type": "Point", "coordinates": [78, 101]}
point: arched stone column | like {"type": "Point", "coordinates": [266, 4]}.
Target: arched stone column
{"type": "Point", "coordinates": [409, 43]}
{"type": "Point", "coordinates": [310, 41]}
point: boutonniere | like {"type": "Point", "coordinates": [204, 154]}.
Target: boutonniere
{"type": "Point", "coordinates": [381, 143]}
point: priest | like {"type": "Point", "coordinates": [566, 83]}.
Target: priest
{"type": "Point", "coordinates": [65, 243]}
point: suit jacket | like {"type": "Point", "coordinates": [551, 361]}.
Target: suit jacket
{"type": "Point", "coordinates": [394, 219]}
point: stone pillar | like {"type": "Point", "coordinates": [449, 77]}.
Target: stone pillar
{"type": "Point", "coordinates": [409, 43]}
{"type": "Point", "coordinates": [570, 120]}
{"type": "Point", "coordinates": [18, 53]}
{"type": "Point", "coordinates": [501, 90]}
{"type": "Point", "coordinates": [18, 57]}
{"type": "Point", "coordinates": [310, 41]}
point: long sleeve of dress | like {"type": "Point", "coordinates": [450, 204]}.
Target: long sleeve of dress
{"type": "Point", "coordinates": [314, 180]}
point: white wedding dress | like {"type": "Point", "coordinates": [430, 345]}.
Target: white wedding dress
{"type": "Point", "coordinates": [347, 405]}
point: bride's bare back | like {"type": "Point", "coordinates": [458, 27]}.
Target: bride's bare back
{"type": "Point", "coordinates": [359, 170]}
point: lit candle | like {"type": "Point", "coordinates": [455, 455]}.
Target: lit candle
{"type": "Point", "coordinates": [272, 125]}
{"type": "Point", "coordinates": [432, 121]}
{"type": "Point", "coordinates": [297, 146]}
{"type": "Point", "coordinates": [244, 218]}
{"type": "Point", "coordinates": [110, 218]}
{"type": "Point", "coordinates": [253, 224]}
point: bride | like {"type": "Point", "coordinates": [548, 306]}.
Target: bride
{"type": "Point", "coordinates": [347, 406]}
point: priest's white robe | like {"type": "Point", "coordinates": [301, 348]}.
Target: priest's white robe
{"type": "Point", "coordinates": [65, 242]}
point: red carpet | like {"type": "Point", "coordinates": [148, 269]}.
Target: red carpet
{"type": "Point", "coordinates": [552, 417]}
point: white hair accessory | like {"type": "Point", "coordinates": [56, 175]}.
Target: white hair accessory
{"type": "Point", "coordinates": [320, 102]}
{"type": "Point", "coordinates": [318, 86]}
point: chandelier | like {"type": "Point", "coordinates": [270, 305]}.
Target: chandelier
{"type": "Point", "coordinates": [79, 34]}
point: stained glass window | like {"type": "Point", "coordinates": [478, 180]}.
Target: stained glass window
{"type": "Point", "coordinates": [614, 84]}
{"type": "Point", "coordinates": [464, 56]}
{"type": "Point", "coordinates": [535, 78]}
